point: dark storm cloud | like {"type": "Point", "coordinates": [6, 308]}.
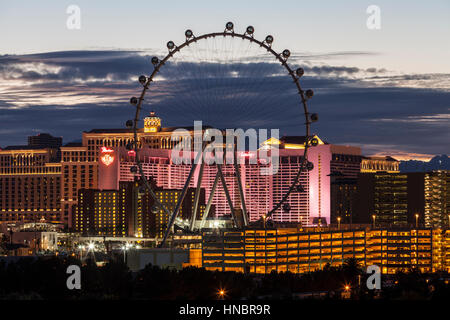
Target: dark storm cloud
{"type": "Point", "coordinates": [121, 65]}
{"type": "Point", "coordinates": [74, 65]}
{"type": "Point", "coordinates": [57, 121]}
{"type": "Point", "coordinates": [392, 117]}
{"type": "Point", "coordinates": [92, 89]}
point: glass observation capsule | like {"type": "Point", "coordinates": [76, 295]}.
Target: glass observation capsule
{"type": "Point", "coordinates": [269, 39]}
{"type": "Point", "coordinates": [142, 79]}
{"type": "Point", "coordinates": [155, 60]}
{"type": "Point", "coordinates": [134, 101]}
{"type": "Point", "coordinates": [314, 142]}
{"type": "Point", "coordinates": [155, 209]}
{"type": "Point", "coordinates": [286, 53]}
{"type": "Point", "coordinates": [170, 45]}
{"type": "Point", "coordinates": [314, 117]}
{"type": "Point", "coordinates": [309, 93]}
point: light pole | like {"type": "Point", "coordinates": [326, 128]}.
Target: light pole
{"type": "Point", "coordinates": [91, 249]}
{"type": "Point", "coordinates": [125, 249]}
{"type": "Point", "coordinates": [373, 218]}
{"type": "Point", "coordinates": [339, 223]}
{"type": "Point", "coordinates": [81, 248]}
{"type": "Point", "coordinates": [264, 221]}
{"type": "Point", "coordinates": [417, 220]}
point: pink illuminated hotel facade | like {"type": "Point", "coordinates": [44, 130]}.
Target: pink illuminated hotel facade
{"type": "Point", "coordinates": [261, 192]}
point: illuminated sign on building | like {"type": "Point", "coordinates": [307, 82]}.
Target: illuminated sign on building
{"type": "Point", "coordinates": [152, 123]}
{"type": "Point", "coordinates": [107, 156]}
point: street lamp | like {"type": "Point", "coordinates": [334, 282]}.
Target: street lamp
{"type": "Point", "coordinates": [417, 220]}
{"type": "Point", "coordinates": [339, 223]}
{"type": "Point", "coordinates": [346, 294]}
{"type": "Point", "coordinates": [373, 218]}
{"type": "Point", "coordinates": [264, 220]}
{"type": "Point", "coordinates": [221, 294]}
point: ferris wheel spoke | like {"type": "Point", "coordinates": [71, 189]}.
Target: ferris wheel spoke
{"type": "Point", "coordinates": [211, 196]}
{"type": "Point", "coordinates": [241, 191]}
{"type": "Point", "coordinates": [197, 196]}
{"type": "Point", "coordinates": [227, 193]}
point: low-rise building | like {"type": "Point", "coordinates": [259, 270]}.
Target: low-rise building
{"type": "Point", "coordinates": [301, 251]}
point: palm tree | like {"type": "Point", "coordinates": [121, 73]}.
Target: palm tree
{"type": "Point", "coordinates": [352, 268]}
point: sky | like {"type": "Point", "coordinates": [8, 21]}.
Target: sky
{"type": "Point", "coordinates": [386, 89]}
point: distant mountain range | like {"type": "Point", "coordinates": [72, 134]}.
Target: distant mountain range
{"type": "Point", "coordinates": [441, 162]}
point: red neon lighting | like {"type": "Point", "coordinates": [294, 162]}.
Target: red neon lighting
{"type": "Point", "coordinates": [106, 150]}
{"type": "Point", "coordinates": [247, 154]}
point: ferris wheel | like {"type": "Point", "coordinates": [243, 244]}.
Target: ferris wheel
{"type": "Point", "coordinates": [215, 77]}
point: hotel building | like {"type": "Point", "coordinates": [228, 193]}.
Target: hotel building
{"type": "Point", "coordinates": [345, 167]}
{"type": "Point", "coordinates": [437, 199]}
{"type": "Point", "coordinates": [78, 171]}
{"type": "Point", "coordinates": [30, 184]}
{"type": "Point", "coordinates": [103, 212]}
{"type": "Point", "coordinates": [390, 199]}
{"type": "Point", "coordinates": [343, 193]}
{"type": "Point", "coordinates": [130, 210]}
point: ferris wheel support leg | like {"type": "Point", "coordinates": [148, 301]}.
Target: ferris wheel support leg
{"type": "Point", "coordinates": [197, 196]}
{"type": "Point", "coordinates": [180, 199]}
{"type": "Point", "coordinates": [241, 191]}
{"type": "Point", "coordinates": [227, 194]}
{"type": "Point", "coordinates": [211, 196]}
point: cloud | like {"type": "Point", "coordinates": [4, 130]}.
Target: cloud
{"type": "Point", "coordinates": [67, 92]}
{"type": "Point", "coordinates": [332, 55]}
